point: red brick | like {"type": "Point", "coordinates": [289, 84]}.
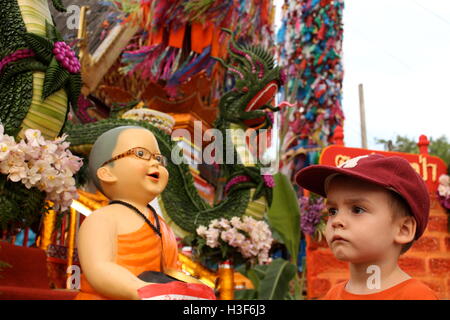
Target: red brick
{"type": "Point", "coordinates": [447, 243]}
{"type": "Point", "coordinates": [426, 244]}
{"type": "Point", "coordinates": [440, 266]}
{"type": "Point", "coordinates": [414, 266]}
{"type": "Point", "coordinates": [436, 286]}
{"type": "Point", "coordinates": [319, 287]}
{"type": "Point", "coordinates": [322, 261]}
{"type": "Point", "coordinates": [437, 223]}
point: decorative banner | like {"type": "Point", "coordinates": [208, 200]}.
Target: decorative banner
{"type": "Point", "coordinates": [429, 167]}
{"type": "Point", "coordinates": [179, 39]}
{"type": "Point", "coordinates": [310, 50]}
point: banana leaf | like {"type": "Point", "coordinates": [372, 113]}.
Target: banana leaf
{"type": "Point", "coordinates": [284, 215]}
{"type": "Point", "coordinates": [271, 282]}
{"type": "Point", "coordinates": [275, 285]}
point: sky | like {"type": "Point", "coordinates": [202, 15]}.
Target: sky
{"type": "Point", "coordinates": [400, 51]}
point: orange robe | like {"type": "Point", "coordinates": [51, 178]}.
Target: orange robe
{"type": "Point", "coordinates": [139, 251]}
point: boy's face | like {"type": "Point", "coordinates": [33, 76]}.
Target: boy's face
{"type": "Point", "coordinates": [360, 225]}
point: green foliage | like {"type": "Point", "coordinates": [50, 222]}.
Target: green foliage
{"type": "Point", "coordinates": [20, 206]}
{"type": "Point", "coordinates": [271, 282]}
{"type": "Point", "coordinates": [59, 5]}
{"type": "Point", "coordinates": [284, 215]}
{"type": "Point", "coordinates": [41, 46]}
{"type": "Point", "coordinates": [55, 78]}
{"type": "Point", "coordinates": [439, 147]}
{"type": "Point", "coordinates": [16, 94]}
{"type": "Point", "coordinates": [24, 65]}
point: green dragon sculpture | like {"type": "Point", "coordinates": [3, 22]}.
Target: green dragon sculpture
{"type": "Point", "coordinates": [257, 82]}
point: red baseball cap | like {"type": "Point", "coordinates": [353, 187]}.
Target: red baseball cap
{"type": "Point", "coordinates": [393, 173]}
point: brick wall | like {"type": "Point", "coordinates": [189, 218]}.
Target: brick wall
{"type": "Point", "coordinates": [428, 259]}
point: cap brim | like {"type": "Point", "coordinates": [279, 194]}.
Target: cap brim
{"type": "Point", "coordinates": [313, 178]}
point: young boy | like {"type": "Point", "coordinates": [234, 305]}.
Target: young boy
{"type": "Point", "coordinates": [377, 207]}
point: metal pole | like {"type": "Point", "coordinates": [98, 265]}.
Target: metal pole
{"type": "Point", "coordinates": [362, 113]}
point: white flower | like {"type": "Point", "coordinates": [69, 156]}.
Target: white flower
{"type": "Point", "coordinates": [17, 173]}
{"type": "Point", "coordinates": [36, 162]}
{"type": "Point", "coordinates": [4, 151]}
{"type": "Point", "coordinates": [201, 231]}
{"type": "Point", "coordinates": [34, 137]}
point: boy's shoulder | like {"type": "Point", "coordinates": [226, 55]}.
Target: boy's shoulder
{"type": "Point", "coordinates": [411, 289]}
{"type": "Point", "coordinates": [415, 289]}
{"type": "Point", "coordinates": [335, 293]}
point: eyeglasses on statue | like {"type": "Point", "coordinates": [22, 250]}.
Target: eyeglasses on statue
{"type": "Point", "coordinates": [140, 153]}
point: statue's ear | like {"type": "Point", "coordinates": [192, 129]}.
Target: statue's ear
{"type": "Point", "coordinates": [105, 175]}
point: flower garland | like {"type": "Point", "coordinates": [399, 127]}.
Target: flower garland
{"type": "Point", "coordinates": [251, 238]}
{"type": "Point", "coordinates": [47, 165]}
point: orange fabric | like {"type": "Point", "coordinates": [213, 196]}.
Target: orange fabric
{"type": "Point", "coordinates": [157, 36]}
{"type": "Point", "coordinates": [139, 251]}
{"type": "Point", "coordinates": [176, 37]}
{"type": "Point", "coordinates": [215, 45]}
{"type": "Point", "coordinates": [411, 289]}
{"type": "Point", "coordinates": [201, 36]}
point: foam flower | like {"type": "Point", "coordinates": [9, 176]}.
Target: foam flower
{"type": "Point", "coordinates": [46, 165]}
{"type": "Point", "coordinates": [247, 236]}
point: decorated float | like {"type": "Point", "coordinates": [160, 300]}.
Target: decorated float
{"type": "Point", "coordinates": [202, 77]}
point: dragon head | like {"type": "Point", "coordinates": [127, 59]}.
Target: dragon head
{"type": "Point", "coordinates": [257, 82]}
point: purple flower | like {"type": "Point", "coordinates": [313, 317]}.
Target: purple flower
{"type": "Point", "coordinates": [444, 201]}
{"type": "Point", "coordinates": [311, 214]}
{"type": "Point", "coordinates": [268, 180]}
{"type": "Point", "coordinates": [66, 57]}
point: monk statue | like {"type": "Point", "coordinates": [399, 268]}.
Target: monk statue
{"type": "Point", "coordinates": [125, 249]}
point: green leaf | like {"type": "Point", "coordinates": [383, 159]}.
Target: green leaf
{"type": "Point", "coordinates": [245, 294]}
{"type": "Point", "coordinates": [58, 5]}
{"type": "Point", "coordinates": [40, 45]}
{"type": "Point", "coordinates": [73, 89]}
{"type": "Point", "coordinates": [50, 31]}
{"type": "Point", "coordinates": [55, 78]}
{"type": "Point", "coordinates": [19, 67]}
{"type": "Point", "coordinates": [259, 191]}
{"type": "Point", "coordinates": [284, 214]}
{"type": "Point", "coordinates": [275, 285]}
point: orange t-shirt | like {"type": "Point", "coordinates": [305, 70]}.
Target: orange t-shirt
{"type": "Point", "coordinates": [140, 251]}
{"type": "Point", "coordinates": [411, 289]}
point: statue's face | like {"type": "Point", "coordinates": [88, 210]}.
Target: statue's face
{"type": "Point", "coordinates": [138, 177]}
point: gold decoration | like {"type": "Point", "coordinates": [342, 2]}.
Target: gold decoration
{"type": "Point", "coordinates": [71, 239]}
{"type": "Point", "coordinates": [45, 238]}
{"type": "Point", "coordinates": [226, 280]}
{"type": "Point", "coordinates": [197, 270]}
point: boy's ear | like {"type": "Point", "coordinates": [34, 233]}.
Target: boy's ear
{"type": "Point", "coordinates": [407, 230]}
{"type": "Point", "coordinates": [105, 175]}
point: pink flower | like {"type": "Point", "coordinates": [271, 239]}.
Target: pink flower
{"type": "Point", "coordinates": [268, 180]}
{"type": "Point", "coordinates": [201, 231]}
